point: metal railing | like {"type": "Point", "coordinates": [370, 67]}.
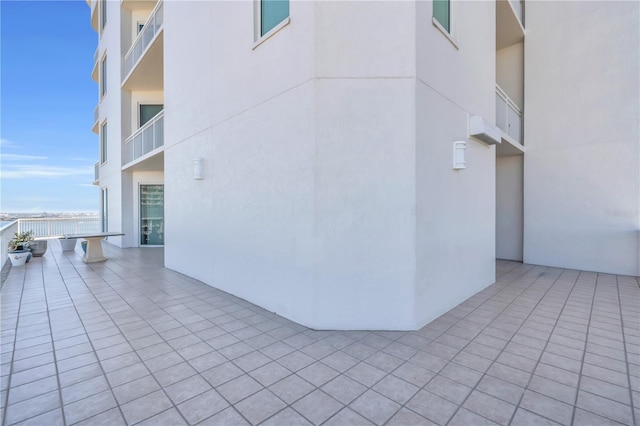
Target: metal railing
{"type": "Point", "coordinates": [145, 139]}
{"type": "Point", "coordinates": [508, 115]}
{"type": "Point", "coordinates": [56, 227]}
{"type": "Point", "coordinates": [96, 113]}
{"type": "Point", "coordinates": [140, 44]}
{"type": "Point", "coordinates": [95, 55]}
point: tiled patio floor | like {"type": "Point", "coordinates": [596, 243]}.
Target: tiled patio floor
{"type": "Point", "coordinates": [128, 341]}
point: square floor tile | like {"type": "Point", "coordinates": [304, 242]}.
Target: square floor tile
{"type": "Point", "coordinates": [187, 388]}
{"type": "Point", "coordinates": [396, 389]}
{"type": "Point", "coordinates": [366, 374]}
{"type": "Point", "coordinates": [202, 406]}
{"type": "Point", "coordinates": [239, 388]}
{"type": "Point", "coordinates": [260, 406]}
{"type": "Point", "coordinates": [145, 407]}
{"type": "Point", "coordinates": [89, 407]}
{"type": "Point", "coordinates": [375, 407]}
{"type": "Point", "coordinates": [317, 406]}
{"type": "Point", "coordinates": [270, 373]}
{"type": "Point", "coordinates": [291, 388]}
{"type": "Point", "coordinates": [32, 407]}
{"type": "Point", "coordinates": [489, 407]}
{"type": "Point", "coordinates": [432, 407]}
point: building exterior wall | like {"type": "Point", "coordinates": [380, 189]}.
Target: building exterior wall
{"type": "Point", "coordinates": [455, 233]}
{"type": "Point", "coordinates": [509, 207]}
{"type": "Point", "coordinates": [582, 164]}
{"type": "Point", "coordinates": [328, 194]}
{"type": "Point", "coordinates": [296, 213]}
{"type": "Point", "coordinates": [110, 111]}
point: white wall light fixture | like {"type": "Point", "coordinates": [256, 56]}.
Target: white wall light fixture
{"type": "Point", "coordinates": [197, 168]}
{"type": "Point", "coordinates": [459, 148]}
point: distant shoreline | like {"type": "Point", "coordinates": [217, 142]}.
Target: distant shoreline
{"type": "Point", "coordinates": [8, 217]}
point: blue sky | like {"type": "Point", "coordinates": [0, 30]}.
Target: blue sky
{"type": "Point", "coordinates": [47, 99]}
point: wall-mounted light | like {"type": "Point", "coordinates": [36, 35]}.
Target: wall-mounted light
{"type": "Point", "coordinates": [459, 148]}
{"type": "Point", "coordinates": [197, 168]}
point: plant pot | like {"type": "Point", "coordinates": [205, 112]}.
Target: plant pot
{"type": "Point", "coordinates": [38, 248]}
{"type": "Point", "coordinates": [19, 257]}
{"type": "Point", "coordinates": [68, 244]}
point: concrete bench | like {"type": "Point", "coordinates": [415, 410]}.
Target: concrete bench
{"type": "Point", "coordinates": [94, 245]}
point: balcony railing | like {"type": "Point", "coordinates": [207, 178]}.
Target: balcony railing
{"type": "Point", "coordinates": [508, 116]}
{"type": "Point", "coordinates": [56, 227]}
{"type": "Point", "coordinates": [145, 139]}
{"type": "Point", "coordinates": [96, 113]}
{"type": "Point", "coordinates": [96, 173]}
{"type": "Point", "coordinates": [140, 44]}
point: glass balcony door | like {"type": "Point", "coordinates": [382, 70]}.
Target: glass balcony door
{"type": "Point", "coordinates": [151, 215]}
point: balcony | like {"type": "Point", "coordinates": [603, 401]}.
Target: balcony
{"type": "Point", "coordinates": [509, 23]}
{"type": "Point", "coordinates": [508, 116]}
{"type": "Point", "coordinates": [96, 174]}
{"type": "Point", "coordinates": [145, 141]}
{"type": "Point", "coordinates": [94, 72]}
{"type": "Point", "coordinates": [96, 119]}
{"type": "Point", "coordinates": [143, 63]}
{"type": "Point", "coordinates": [94, 15]}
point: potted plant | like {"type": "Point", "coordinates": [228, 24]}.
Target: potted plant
{"type": "Point", "coordinates": [19, 252]}
{"type": "Point", "coordinates": [68, 244]}
{"type": "Point", "coordinates": [38, 247]}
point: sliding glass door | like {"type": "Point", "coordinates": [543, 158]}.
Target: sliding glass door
{"type": "Point", "coordinates": [151, 215]}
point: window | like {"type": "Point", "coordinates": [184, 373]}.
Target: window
{"type": "Point", "coordinates": [442, 13]}
{"type": "Point", "coordinates": [272, 12]}
{"type": "Point", "coordinates": [103, 14]}
{"type": "Point", "coordinates": [140, 26]}
{"type": "Point", "coordinates": [104, 210]}
{"type": "Point", "coordinates": [103, 143]}
{"type": "Point", "coordinates": [147, 112]}
{"type": "Point", "coordinates": [103, 76]}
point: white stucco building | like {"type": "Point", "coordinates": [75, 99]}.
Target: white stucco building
{"type": "Point", "coordinates": [361, 164]}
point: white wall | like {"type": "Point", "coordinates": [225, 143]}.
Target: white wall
{"type": "Point", "coordinates": [582, 168]}
{"type": "Point", "coordinates": [509, 207]}
{"type": "Point", "coordinates": [306, 207]}
{"type": "Point", "coordinates": [250, 118]}
{"type": "Point", "coordinates": [110, 110]}
{"type": "Point", "coordinates": [510, 72]}
{"type": "Point", "coordinates": [455, 232]}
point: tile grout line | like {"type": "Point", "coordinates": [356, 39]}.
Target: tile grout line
{"type": "Point", "coordinates": [272, 360]}
{"type": "Point", "coordinates": [626, 356]}
{"type": "Point", "coordinates": [53, 345]}
{"type": "Point", "coordinates": [162, 388]}
{"type": "Point", "coordinates": [13, 352]}
{"type": "Point", "coordinates": [584, 352]}
{"type": "Point", "coordinates": [555, 325]}
{"type": "Point", "coordinates": [515, 297]}
{"type": "Point", "coordinates": [93, 349]}
{"type": "Point", "coordinates": [494, 361]}
{"type": "Point", "coordinates": [462, 349]}
{"type": "Point", "coordinates": [533, 309]}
